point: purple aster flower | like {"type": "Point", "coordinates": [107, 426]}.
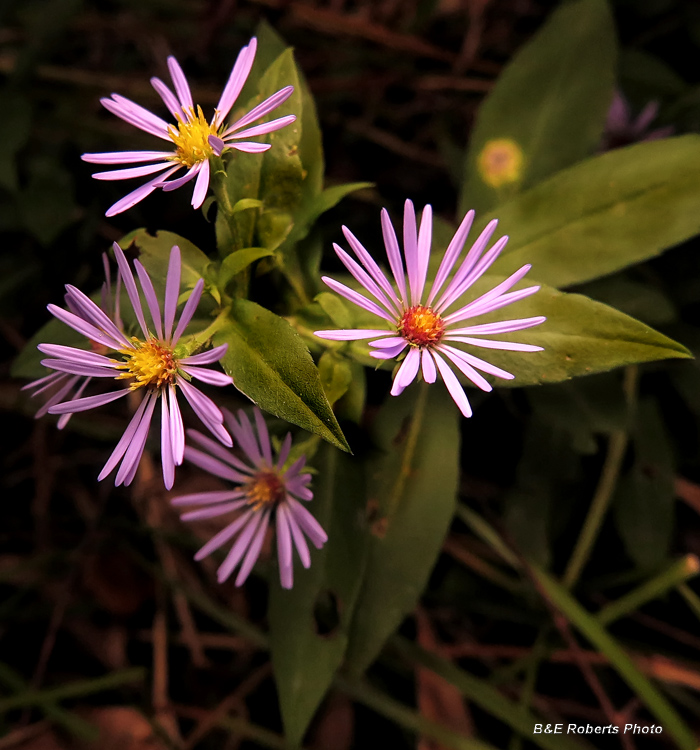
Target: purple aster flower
{"type": "Point", "coordinates": [621, 129]}
{"type": "Point", "coordinates": [193, 139]}
{"type": "Point", "coordinates": [426, 323]}
{"type": "Point", "coordinates": [58, 385]}
{"type": "Point", "coordinates": [263, 488]}
{"type": "Point", "coordinates": [152, 363]}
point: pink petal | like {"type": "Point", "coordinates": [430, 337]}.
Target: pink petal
{"type": "Point", "coordinates": [263, 128]}
{"type": "Point", "coordinates": [351, 335]}
{"type": "Point", "coordinates": [393, 253]}
{"type": "Point", "coordinates": [125, 157]}
{"type": "Point", "coordinates": [357, 298]}
{"type": "Point", "coordinates": [410, 249]}
{"type": "Point", "coordinates": [272, 102]}
{"type": "Point", "coordinates": [451, 254]}
{"type": "Point", "coordinates": [136, 196]}
{"type": "Point", "coordinates": [182, 88]}
{"type": "Point", "coordinates": [169, 99]}
{"type": "Point", "coordinates": [407, 372]}
{"type": "Point", "coordinates": [428, 366]}
{"type": "Point", "coordinates": [137, 116]}
{"type": "Point", "coordinates": [236, 81]}
{"type": "Point", "coordinates": [127, 174]}
{"type": "Point", "coordinates": [454, 387]}
{"type": "Point", "coordinates": [188, 311]}
{"type": "Point", "coordinates": [201, 186]}
{"type": "Point", "coordinates": [172, 290]}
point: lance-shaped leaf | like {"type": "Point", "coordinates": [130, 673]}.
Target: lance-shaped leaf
{"type": "Point", "coordinates": [270, 363]}
{"type": "Point", "coordinates": [155, 255]}
{"type": "Point", "coordinates": [579, 337]}
{"type": "Point", "coordinates": [548, 107]}
{"type": "Point", "coordinates": [605, 213]}
{"type": "Point", "coordinates": [411, 500]}
{"type": "Point", "coordinates": [309, 624]}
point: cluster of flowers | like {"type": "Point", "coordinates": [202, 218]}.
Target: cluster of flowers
{"type": "Point", "coordinates": [418, 327]}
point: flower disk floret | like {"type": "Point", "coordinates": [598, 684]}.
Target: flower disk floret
{"type": "Point", "coordinates": [424, 325]}
{"type": "Point", "coordinates": [193, 139]}
{"type": "Point", "coordinates": [263, 489]}
{"type": "Point", "coordinates": [150, 364]}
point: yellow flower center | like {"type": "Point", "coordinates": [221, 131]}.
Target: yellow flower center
{"type": "Point", "coordinates": [265, 488]}
{"type": "Point", "coordinates": [500, 162]}
{"type": "Point", "coordinates": [191, 138]}
{"type": "Point", "coordinates": [150, 364]}
{"type": "Point", "coordinates": [421, 326]}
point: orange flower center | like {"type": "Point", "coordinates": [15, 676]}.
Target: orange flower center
{"type": "Point", "coordinates": [421, 326]}
{"type": "Point", "coordinates": [149, 364]}
{"type": "Point", "coordinates": [265, 488]}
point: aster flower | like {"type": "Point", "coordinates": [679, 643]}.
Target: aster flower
{"type": "Point", "coordinates": [421, 322]}
{"type": "Point", "coordinates": [622, 129]}
{"type": "Point", "coordinates": [57, 384]}
{"type": "Point", "coordinates": [151, 364]}
{"type": "Point", "coordinates": [262, 488]}
{"type": "Point", "coordinates": [192, 139]}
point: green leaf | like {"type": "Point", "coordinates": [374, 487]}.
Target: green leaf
{"type": "Point", "coordinates": [246, 203]}
{"type": "Point", "coordinates": [640, 299]}
{"type": "Point", "coordinates": [155, 255]}
{"type": "Point", "coordinates": [645, 497]}
{"type": "Point", "coordinates": [547, 463]}
{"type": "Point", "coordinates": [412, 492]}
{"type": "Point", "coordinates": [605, 213]}
{"type": "Point", "coordinates": [238, 261]}
{"type": "Point", "coordinates": [281, 174]}
{"type": "Point", "coordinates": [336, 375]}
{"type": "Point", "coordinates": [551, 101]}
{"type": "Point", "coordinates": [28, 362]}
{"type": "Point", "coordinates": [309, 624]}
{"type": "Point", "coordinates": [580, 337]}
{"type": "Point", "coordinates": [352, 405]}
{"type": "Point", "coordinates": [336, 308]}
{"type": "Point", "coordinates": [270, 363]}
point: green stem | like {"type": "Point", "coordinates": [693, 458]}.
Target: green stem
{"type": "Point", "coordinates": [604, 491]}
{"type": "Point", "coordinates": [263, 737]}
{"type": "Point", "coordinates": [369, 696]}
{"type": "Point", "coordinates": [481, 694]}
{"type": "Point", "coordinates": [691, 599]}
{"type": "Point", "coordinates": [72, 690]}
{"type": "Point", "coordinates": [69, 721]}
{"type": "Point", "coordinates": [594, 632]}
{"type": "Point", "coordinates": [241, 280]}
{"type": "Point", "coordinates": [201, 337]}
{"type": "Point", "coordinates": [676, 574]}
{"type": "Point", "coordinates": [397, 490]}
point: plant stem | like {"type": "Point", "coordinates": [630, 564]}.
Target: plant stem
{"type": "Point", "coordinates": [364, 693]}
{"type": "Point", "coordinates": [409, 452]}
{"type": "Point", "coordinates": [72, 690]}
{"type": "Point", "coordinates": [594, 632]}
{"type": "Point", "coordinates": [676, 574]}
{"type": "Point", "coordinates": [605, 489]}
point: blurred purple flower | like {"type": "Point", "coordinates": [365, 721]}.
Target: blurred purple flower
{"type": "Point", "coordinates": [420, 321]}
{"type": "Point", "coordinates": [621, 129]}
{"type": "Point", "coordinates": [152, 363]}
{"type": "Point", "coordinates": [194, 137]}
{"type": "Point", "coordinates": [262, 488]}
{"type": "Point", "coordinates": [60, 384]}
